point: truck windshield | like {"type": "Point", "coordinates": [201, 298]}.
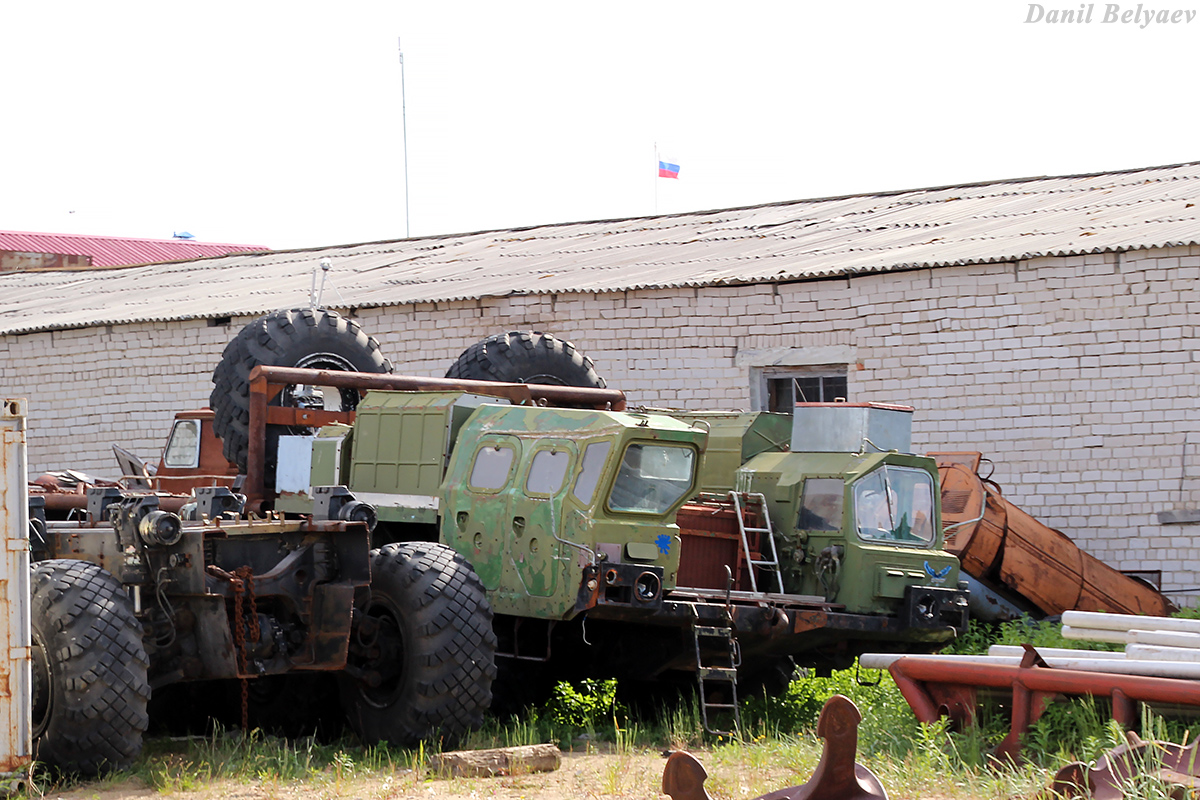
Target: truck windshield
{"type": "Point", "coordinates": [652, 478]}
{"type": "Point", "coordinates": [895, 504]}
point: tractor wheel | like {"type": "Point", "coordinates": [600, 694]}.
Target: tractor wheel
{"type": "Point", "coordinates": [422, 659]}
{"type": "Point", "coordinates": [309, 338]}
{"type": "Point", "coordinates": [526, 357]}
{"type": "Point", "coordinates": [89, 669]}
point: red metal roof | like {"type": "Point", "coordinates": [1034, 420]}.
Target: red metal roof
{"type": "Point", "coordinates": [117, 251]}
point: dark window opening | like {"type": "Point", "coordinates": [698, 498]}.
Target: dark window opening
{"type": "Point", "coordinates": [784, 392]}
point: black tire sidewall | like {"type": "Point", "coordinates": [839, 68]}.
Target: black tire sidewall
{"type": "Point", "coordinates": [82, 620]}
{"type": "Point", "coordinates": [440, 609]}
{"type": "Point", "coordinates": [286, 338]}
{"type": "Point", "coordinates": [526, 357]}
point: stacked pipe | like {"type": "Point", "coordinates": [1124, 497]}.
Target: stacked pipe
{"type": "Point", "coordinates": [1167, 647]}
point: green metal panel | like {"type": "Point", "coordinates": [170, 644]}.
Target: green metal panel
{"type": "Point", "coordinates": [331, 456]}
{"type": "Point", "coordinates": [402, 441]}
{"type": "Point", "coordinates": [733, 439]}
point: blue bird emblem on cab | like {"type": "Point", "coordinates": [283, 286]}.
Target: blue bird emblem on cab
{"type": "Point", "coordinates": [938, 576]}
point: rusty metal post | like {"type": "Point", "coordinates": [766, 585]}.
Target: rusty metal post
{"type": "Point", "coordinates": [256, 456]}
{"type": "Point", "coordinates": [16, 688]}
{"type": "Point", "coordinates": [1124, 709]}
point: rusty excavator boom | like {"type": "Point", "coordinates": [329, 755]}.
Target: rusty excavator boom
{"type": "Point", "coordinates": [1022, 565]}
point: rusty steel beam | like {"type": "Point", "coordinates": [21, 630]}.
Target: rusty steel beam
{"type": "Point", "coordinates": [550, 394]}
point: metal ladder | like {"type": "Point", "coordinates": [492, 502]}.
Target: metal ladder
{"type": "Point", "coordinates": [719, 676]}
{"type": "Point", "coordinates": [773, 561]}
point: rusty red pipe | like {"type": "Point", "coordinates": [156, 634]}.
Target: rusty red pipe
{"type": "Point", "coordinates": [1031, 687]}
{"type": "Point", "coordinates": [911, 670]}
{"type": "Point", "coordinates": [552, 394]}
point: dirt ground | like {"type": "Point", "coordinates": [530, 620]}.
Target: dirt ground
{"type": "Point", "coordinates": [582, 776]}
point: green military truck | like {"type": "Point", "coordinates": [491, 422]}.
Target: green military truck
{"type": "Point", "coordinates": [652, 547]}
{"type": "Point", "coordinates": [445, 546]}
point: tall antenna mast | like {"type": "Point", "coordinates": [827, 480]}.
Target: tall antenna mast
{"type": "Point", "coordinates": [404, 129]}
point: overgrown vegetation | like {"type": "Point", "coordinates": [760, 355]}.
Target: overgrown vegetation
{"type": "Point", "coordinates": [778, 744]}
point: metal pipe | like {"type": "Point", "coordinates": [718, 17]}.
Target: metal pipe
{"type": "Point", "coordinates": [885, 660]}
{"type": "Point", "coordinates": [1114, 664]}
{"type": "Point", "coordinates": [1125, 622]}
{"type": "Point", "coordinates": [1134, 636]}
{"type": "Point", "coordinates": [1145, 688]}
{"type": "Point", "coordinates": [1095, 635]}
{"type": "Point", "coordinates": [1156, 652]}
{"type": "Point", "coordinates": [1166, 638]}
{"type": "Point", "coordinates": [1049, 652]}
{"type": "Point", "coordinates": [552, 394]}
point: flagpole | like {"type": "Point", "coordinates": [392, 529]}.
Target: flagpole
{"type": "Point", "coordinates": [404, 129]}
{"type": "Point", "coordinates": [655, 173]}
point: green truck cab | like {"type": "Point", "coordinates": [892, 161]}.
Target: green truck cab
{"type": "Point", "coordinates": [855, 528]}
{"type": "Point", "coordinates": [658, 547]}
{"type": "Point", "coordinates": [855, 544]}
{"type": "Point", "coordinates": [558, 510]}
{"type": "Point", "coordinates": [545, 502]}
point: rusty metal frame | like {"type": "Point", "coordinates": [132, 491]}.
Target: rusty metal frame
{"type": "Point", "coordinates": [267, 382]}
{"type": "Point", "coordinates": [935, 687]}
{"type": "Point", "coordinates": [16, 737]}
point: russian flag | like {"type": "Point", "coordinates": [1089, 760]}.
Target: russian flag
{"type": "Point", "coordinates": [668, 167]}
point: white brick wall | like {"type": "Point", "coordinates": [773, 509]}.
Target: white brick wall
{"type": "Point", "coordinates": [1077, 376]}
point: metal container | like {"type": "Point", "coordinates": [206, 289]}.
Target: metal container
{"type": "Point", "coordinates": [15, 675]}
{"type": "Point", "coordinates": [851, 428]}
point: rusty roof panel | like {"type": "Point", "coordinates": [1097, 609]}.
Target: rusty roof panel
{"type": "Point", "coordinates": [808, 239]}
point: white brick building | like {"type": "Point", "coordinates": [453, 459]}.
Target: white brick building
{"type": "Point", "coordinates": [1048, 323]}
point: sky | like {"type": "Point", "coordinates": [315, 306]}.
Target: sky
{"type": "Point", "coordinates": [283, 124]}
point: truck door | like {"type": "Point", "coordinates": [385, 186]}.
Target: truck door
{"type": "Point", "coordinates": [537, 519]}
{"type": "Point", "coordinates": [478, 502]}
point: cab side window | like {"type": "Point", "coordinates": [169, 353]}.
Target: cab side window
{"type": "Point", "coordinates": [183, 448]}
{"type": "Point", "coordinates": [547, 472]}
{"type": "Point", "coordinates": [590, 470]}
{"type": "Point", "coordinates": [493, 463]}
{"type": "Point", "coordinates": [821, 505]}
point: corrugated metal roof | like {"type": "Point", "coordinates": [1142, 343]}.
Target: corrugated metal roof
{"type": "Point", "coordinates": [977, 223]}
{"type": "Point", "coordinates": [116, 251]}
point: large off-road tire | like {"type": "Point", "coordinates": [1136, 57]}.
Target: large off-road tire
{"type": "Point", "coordinates": [526, 357]}
{"type": "Point", "coordinates": [310, 338]}
{"type": "Point", "coordinates": [429, 661]}
{"type": "Point", "coordinates": [89, 669]}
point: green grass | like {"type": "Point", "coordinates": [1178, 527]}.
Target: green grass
{"type": "Point", "coordinates": [777, 746]}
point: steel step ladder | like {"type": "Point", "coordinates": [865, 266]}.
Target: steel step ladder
{"type": "Point", "coordinates": [742, 504]}
{"type": "Point", "coordinates": [716, 678]}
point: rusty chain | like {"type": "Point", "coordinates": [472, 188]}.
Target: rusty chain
{"type": "Point", "coordinates": [241, 581]}
{"type": "Point", "coordinates": [246, 574]}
